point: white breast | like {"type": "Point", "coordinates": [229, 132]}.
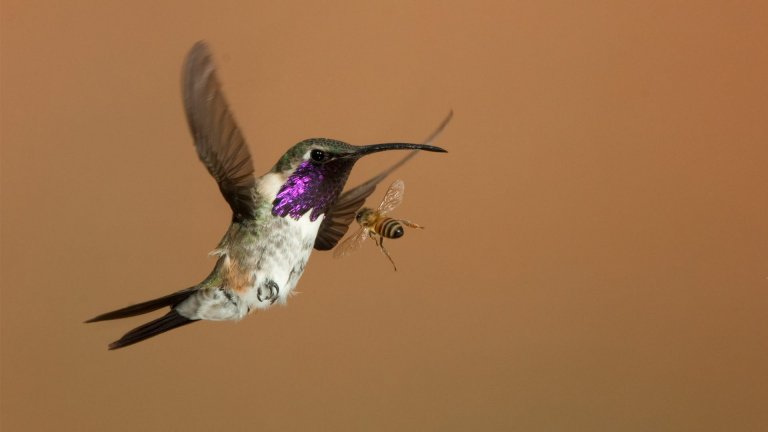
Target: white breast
{"type": "Point", "coordinates": [270, 184]}
{"type": "Point", "coordinates": [280, 258]}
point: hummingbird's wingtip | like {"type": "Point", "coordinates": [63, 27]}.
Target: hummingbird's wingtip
{"type": "Point", "coordinates": [199, 45]}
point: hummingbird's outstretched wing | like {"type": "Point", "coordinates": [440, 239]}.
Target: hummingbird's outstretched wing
{"type": "Point", "coordinates": [219, 142]}
{"type": "Point", "coordinates": [342, 213]}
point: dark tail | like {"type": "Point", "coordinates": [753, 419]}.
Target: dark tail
{"type": "Point", "coordinates": [148, 306]}
{"type": "Point", "coordinates": [169, 321]}
{"type": "Point", "coordinates": [161, 325]}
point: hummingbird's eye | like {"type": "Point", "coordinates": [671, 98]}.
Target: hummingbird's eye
{"type": "Point", "coordinates": [317, 155]}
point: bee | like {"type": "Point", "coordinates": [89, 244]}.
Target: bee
{"type": "Point", "coordinates": [376, 225]}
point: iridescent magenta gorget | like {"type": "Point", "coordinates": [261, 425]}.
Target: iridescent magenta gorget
{"type": "Point", "coordinates": [312, 186]}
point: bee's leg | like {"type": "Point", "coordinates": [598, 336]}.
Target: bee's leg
{"type": "Point", "coordinates": [410, 224]}
{"type": "Point", "coordinates": [383, 249]}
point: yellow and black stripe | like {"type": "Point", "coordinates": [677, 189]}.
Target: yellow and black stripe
{"type": "Point", "coordinates": [389, 228]}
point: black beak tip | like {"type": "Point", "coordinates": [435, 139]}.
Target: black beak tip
{"type": "Point", "coordinates": [432, 148]}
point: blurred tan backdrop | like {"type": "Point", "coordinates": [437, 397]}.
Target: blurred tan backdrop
{"type": "Point", "coordinates": [596, 250]}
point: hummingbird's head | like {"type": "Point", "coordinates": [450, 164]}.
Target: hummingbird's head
{"type": "Point", "coordinates": [315, 171]}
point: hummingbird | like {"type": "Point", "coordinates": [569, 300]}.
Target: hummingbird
{"type": "Point", "coordinates": [277, 219]}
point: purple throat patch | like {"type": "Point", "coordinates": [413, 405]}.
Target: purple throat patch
{"type": "Point", "coordinates": [303, 191]}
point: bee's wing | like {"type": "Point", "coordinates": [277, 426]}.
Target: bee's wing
{"type": "Point", "coordinates": [351, 243]}
{"type": "Point", "coordinates": [219, 142]}
{"type": "Point", "coordinates": [342, 213]}
{"type": "Point", "coordinates": [393, 197]}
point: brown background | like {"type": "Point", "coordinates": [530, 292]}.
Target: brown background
{"type": "Point", "coordinates": [597, 244]}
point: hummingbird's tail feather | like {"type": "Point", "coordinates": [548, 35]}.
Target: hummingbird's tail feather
{"type": "Point", "coordinates": [147, 306]}
{"type": "Point", "coordinates": [169, 321]}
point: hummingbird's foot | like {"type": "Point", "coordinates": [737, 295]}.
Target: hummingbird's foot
{"type": "Point", "coordinates": [269, 291]}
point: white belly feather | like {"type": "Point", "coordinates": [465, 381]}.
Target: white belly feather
{"type": "Point", "coordinates": [286, 264]}
{"type": "Point", "coordinates": [276, 258]}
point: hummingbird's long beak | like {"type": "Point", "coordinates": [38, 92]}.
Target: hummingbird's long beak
{"type": "Point", "coordinates": [373, 148]}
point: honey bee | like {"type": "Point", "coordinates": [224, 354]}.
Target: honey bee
{"type": "Point", "coordinates": [376, 225]}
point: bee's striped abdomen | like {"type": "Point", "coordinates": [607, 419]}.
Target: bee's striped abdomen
{"type": "Point", "coordinates": [389, 228]}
